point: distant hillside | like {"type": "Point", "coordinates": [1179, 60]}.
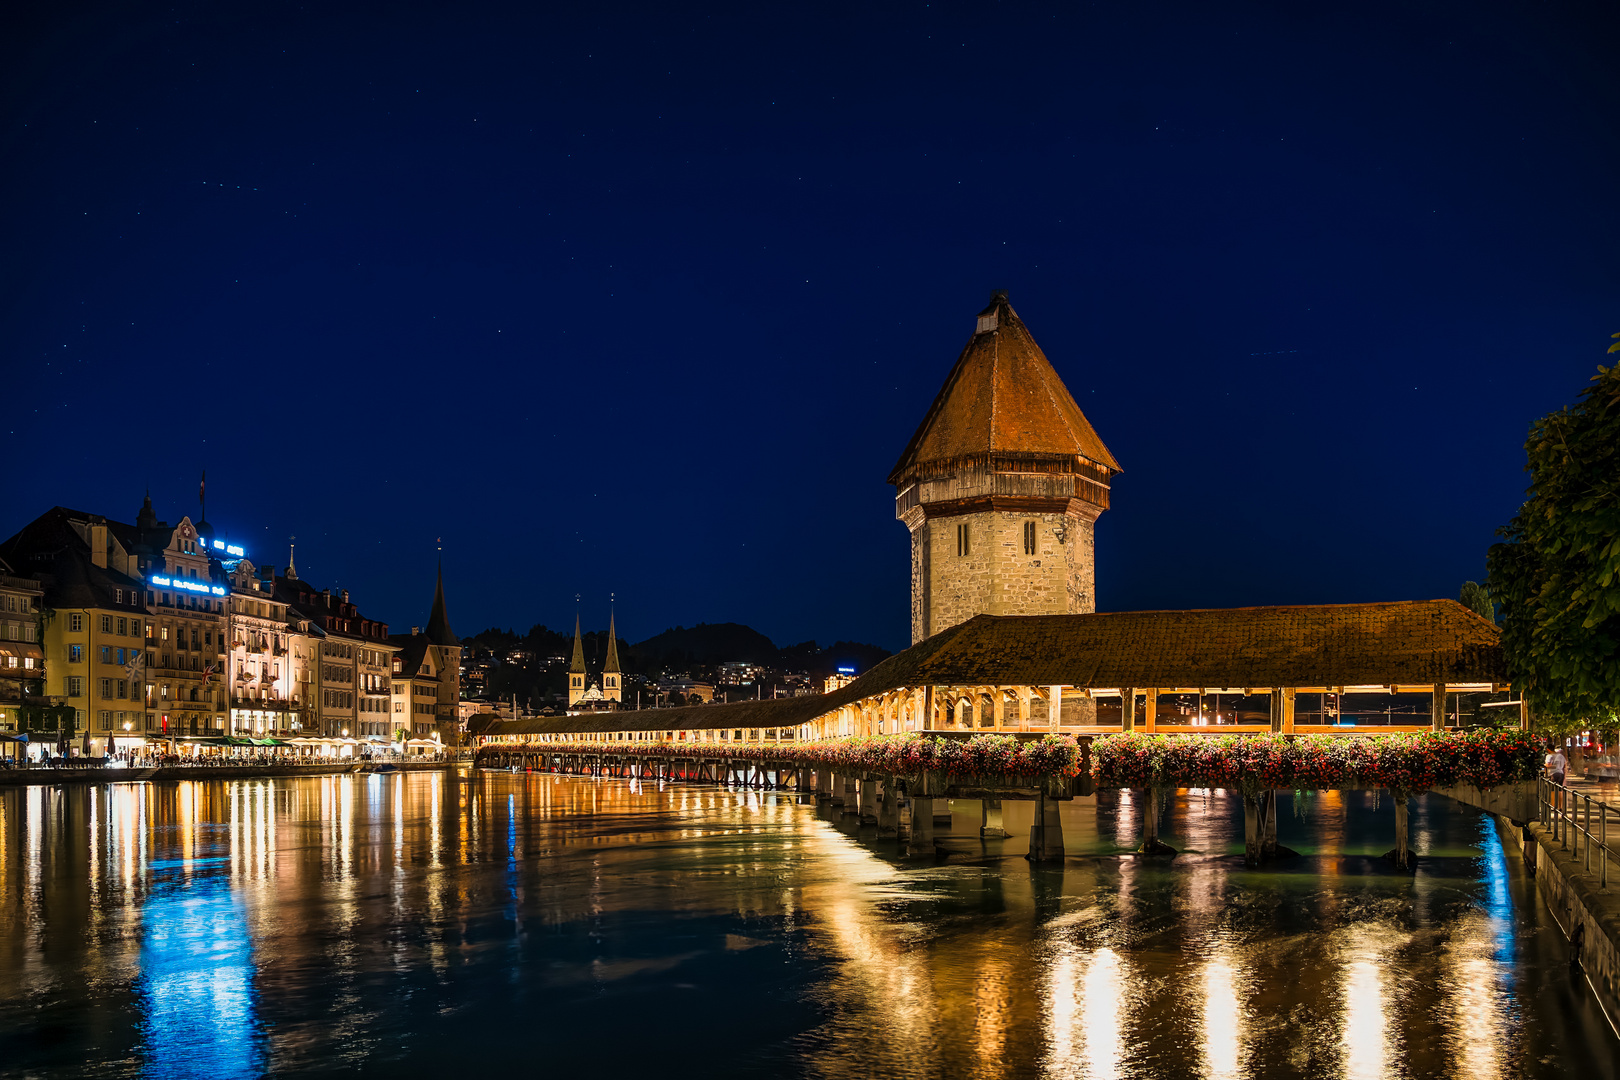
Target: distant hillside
{"type": "Point", "coordinates": [688, 648]}
{"type": "Point", "coordinates": [706, 644]}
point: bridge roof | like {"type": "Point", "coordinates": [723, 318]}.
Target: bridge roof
{"type": "Point", "coordinates": [1410, 643]}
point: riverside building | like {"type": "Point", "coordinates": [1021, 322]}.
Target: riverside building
{"type": "Point", "coordinates": [427, 681]}
{"type": "Point", "coordinates": [22, 654]}
{"type": "Point", "coordinates": [167, 635]}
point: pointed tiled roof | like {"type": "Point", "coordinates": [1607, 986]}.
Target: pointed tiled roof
{"type": "Point", "coordinates": [579, 651]}
{"type": "Point", "coordinates": [613, 648]}
{"type": "Point", "coordinates": [1002, 398]}
{"type": "Point", "coordinates": [438, 624]}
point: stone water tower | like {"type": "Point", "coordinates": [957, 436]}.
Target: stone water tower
{"type": "Point", "coordinates": [1001, 486]}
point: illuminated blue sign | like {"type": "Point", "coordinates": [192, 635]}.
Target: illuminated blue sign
{"type": "Point", "coordinates": [230, 549]}
{"type": "Point", "coordinates": [846, 671]}
{"type": "Point", "coordinates": [188, 586]}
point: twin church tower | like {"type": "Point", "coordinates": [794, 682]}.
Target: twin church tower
{"type": "Point", "coordinates": [591, 693]}
{"type": "Point", "coordinates": [1001, 487]}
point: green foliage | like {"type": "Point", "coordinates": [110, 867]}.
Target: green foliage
{"type": "Point", "coordinates": [1477, 598]}
{"type": "Point", "coordinates": [1557, 573]}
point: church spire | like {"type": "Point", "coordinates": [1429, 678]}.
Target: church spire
{"type": "Point", "coordinates": [438, 624]}
{"type": "Point", "coordinates": [576, 670]}
{"type": "Point", "coordinates": [578, 666]}
{"type": "Point", "coordinates": [612, 679]}
{"type": "Point", "coordinates": [613, 647]}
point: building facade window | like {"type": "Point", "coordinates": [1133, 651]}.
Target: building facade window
{"type": "Point", "coordinates": [75, 686]}
{"type": "Point", "coordinates": [106, 624]}
{"type": "Point", "coordinates": [962, 539]}
{"type": "Point", "coordinates": [75, 654]}
{"type": "Point", "coordinates": [1029, 538]}
{"type": "Point", "coordinates": [75, 623]}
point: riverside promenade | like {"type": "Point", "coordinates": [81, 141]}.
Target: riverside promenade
{"type": "Point", "coordinates": [51, 775]}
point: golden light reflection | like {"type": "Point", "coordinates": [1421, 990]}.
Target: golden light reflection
{"type": "Point", "coordinates": [1475, 1003]}
{"type": "Point", "coordinates": [1100, 1010]}
{"type": "Point", "coordinates": [1086, 1000]}
{"type": "Point", "coordinates": [1223, 1019]}
{"type": "Point", "coordinates": [1363, 1039]}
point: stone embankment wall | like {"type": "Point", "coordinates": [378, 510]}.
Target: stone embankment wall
{"type": "Point", "coordinates": [28, 777]}
{"type": "Point", "coordinates": [1588, 914]}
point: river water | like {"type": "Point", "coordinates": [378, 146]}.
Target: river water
{"type": "Point", "coordinates": [434, 923]}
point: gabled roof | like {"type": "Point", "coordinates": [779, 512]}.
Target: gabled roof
{"type": "Point", "coordinates": [412, 652]}
{"type": "Point", "coordinates": [76, 582]}
{"type": "Point", "coordinates": [1409, 643]}
{"type": "Point", "coordinates": [37, 544]}
{"type": "Point", "coordinates": [1002, 398]}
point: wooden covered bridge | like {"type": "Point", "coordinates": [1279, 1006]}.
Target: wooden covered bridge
{"type": "Point", "coordinates": [1327, 669]}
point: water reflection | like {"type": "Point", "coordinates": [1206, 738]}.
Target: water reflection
{"type": "Point", "coordinates": [402, 922]}
{"type": "Point", "coordinates": [1365, 1025]}
{"type": "Point", "coordinates": [196, 981]}
{"type": "Point", "coordinates": [1223, 1019]}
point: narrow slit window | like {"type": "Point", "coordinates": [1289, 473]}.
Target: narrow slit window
{"type": "Point", "coordinates": [1029, 538]}
{"type": "Point", "coordinates": [962, 539]}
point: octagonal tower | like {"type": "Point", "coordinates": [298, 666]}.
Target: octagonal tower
{"type": "Point", "coordinates": [1001, 486]}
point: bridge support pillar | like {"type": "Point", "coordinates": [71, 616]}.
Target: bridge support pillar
{"type": "Point", "coordinates": [990, 825]}
{"type": "Point", "coordinates": [869, 807]}
{"type": "Point", "coordinates": [1251, 830]}
{"type": "Point", "coordinates": [1151, 844]}
{"type": "Point", "coordinates": [888, 821]}
{"type": "Point", "coordinates": [1401, 856]}
{"type": "Point", "coordinates": [835, 788]}
{"type": "Point", "coordinates": [852, 795]}
{"type": "Point", "coordinates": [823, 785]}
{"type": "Point", "coordinates": [921, 840]}
{"type": "Point", "coordinates": [1046, 834]}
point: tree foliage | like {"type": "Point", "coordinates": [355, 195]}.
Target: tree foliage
{"type": "Point", "coordinates": [1556, 574]}
{"type": "Point", "coordinates": [1477, 598]}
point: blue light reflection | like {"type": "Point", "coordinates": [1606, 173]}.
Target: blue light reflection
{"type": "Point", "coordinates": [197, 981]}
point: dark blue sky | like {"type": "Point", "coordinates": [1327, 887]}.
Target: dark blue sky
{"type": "Point", "coordinates": [647, 300]}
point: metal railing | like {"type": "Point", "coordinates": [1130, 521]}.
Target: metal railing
{"type": "Point", "coordinates": [1568, 815]}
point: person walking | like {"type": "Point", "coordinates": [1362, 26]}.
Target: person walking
{"type": "Point", "coordinates": [1557, 764]}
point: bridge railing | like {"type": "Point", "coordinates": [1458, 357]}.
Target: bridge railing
{"type": "Point", "coordinates": [1567, 813]}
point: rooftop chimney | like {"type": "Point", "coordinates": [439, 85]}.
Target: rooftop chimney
{"type": "Point", "coordinates": [415, 630]}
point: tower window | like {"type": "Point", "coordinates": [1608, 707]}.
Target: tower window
{"type": "Point", "coordinates": [1029, 538]}
{"type": "Point", "coordinates": [962, 544]}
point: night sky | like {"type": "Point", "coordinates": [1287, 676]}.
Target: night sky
{"type": "Point", "coordinates": [647, 300]}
